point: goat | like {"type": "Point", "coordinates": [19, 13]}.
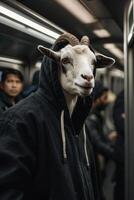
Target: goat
{"type": "Point", "coordinates": [77, 63]}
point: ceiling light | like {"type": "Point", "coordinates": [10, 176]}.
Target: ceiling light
{"type": "Point", "coordinates": [117, 72]}
{"type": "Point", "coordinates": [11, 65]}
{"type": "Point", "coordinates": [39, 35]}
{"type": "Point", "coordinates": [11, 60]}
{"type": "Point", "coordinates": [26, 30]}
{"type": "Point", "coordinates": [38, 64]}
{"type": "Point", "coordinates": [27, 22]}
{"type": "Point", "coordinates": [78, 10]}
{"type": "Point", "coordinates": [114, 50]}
{"type": "Point", "coordinates": [102, 33]}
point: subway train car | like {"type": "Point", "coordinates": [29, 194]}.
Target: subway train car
{"type": "Point", "coordinates": [26, 24]}
{"type": "Point", "coordinates": [109, 24]}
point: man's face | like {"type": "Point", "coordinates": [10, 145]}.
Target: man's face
{"type": "Point", "coordinates": [12, 86]}
{"type": "Point", "coordinates": [104, 98]}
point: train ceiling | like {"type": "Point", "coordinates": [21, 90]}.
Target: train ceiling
{"type": "Point", "coordinates": [101, 20]}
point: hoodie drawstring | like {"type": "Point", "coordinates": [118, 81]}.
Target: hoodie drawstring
{"type": "Point", "coordinates": [64, 139]}
{"type": "Point", "coordinates": [85, 145]}
{"type": "Point", "coordinates": [63, 136]}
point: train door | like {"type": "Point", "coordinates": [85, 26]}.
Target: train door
{"type": "Point", "coordinates": [129, 99]}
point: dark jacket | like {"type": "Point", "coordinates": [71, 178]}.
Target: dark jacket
{"type": "Point", "coordinates": [43, 156]}
{"type": "Point", "coordinates": [5, 102]}
{"type": "Point", "coordinates": [94, 128]}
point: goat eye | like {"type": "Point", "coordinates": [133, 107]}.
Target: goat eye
{"type": "Point", "coordinates": [65, 60]}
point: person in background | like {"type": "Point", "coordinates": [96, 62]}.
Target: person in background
{"type": "Point", "coordinates": [94, 124]}
{"type": "Point", "coordinates": [33, 87]}
{"type": "Point", "coordinates": [11, 87]}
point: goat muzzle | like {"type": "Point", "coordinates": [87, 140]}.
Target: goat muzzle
{"type": "Point", "coordinates": [87, 77]}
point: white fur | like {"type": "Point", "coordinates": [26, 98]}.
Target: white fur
{"type": "Point", "coordinates": [76, 74]}
{"type": "Point", "coordinates": [81, 63]}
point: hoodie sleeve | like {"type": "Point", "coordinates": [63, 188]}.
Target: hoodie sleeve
{"type": "Point", "coordinates": [17, 160]}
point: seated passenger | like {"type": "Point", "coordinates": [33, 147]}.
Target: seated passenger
{"type": "Point", "coordinates": [11, 87]}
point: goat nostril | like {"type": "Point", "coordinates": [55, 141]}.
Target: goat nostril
{"type": "Point", "coordinates": [84, 76]}
{"type": "Point", "coordinates": [88, 78]}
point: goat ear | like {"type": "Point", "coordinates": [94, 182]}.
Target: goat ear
{"type": "Point", "coordinates": [104, 61]}
{"type": "Point", "coordinates": [49, 52]}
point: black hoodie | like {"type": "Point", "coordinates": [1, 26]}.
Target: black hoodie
{"type": "Point", "coordinates": [5, 102]}
{"type": "Point", "coordinates": [43, 156]}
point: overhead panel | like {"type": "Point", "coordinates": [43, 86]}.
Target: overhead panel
{"type": "Point", "coordinates": [97, 8]}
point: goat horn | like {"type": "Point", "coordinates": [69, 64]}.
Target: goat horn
{"type": "Point", "coordinates": [69, 38]}
{"type": "Point", "coordinates": [85, 40]}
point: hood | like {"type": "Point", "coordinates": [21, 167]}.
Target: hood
{"type": "Point", "coordinates": [49, 84]}
{"type": "Point", "coordinates": [50, 88]}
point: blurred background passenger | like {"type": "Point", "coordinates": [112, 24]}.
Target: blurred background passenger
{"type": "Point", "coordinates": [102, 144]}
{"type": "Point", "coordinates": [33, 87]}
{"type": "Point", "coordinates": [10, 88]}
{"type": "Point", "coordinates": [119, 117]}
